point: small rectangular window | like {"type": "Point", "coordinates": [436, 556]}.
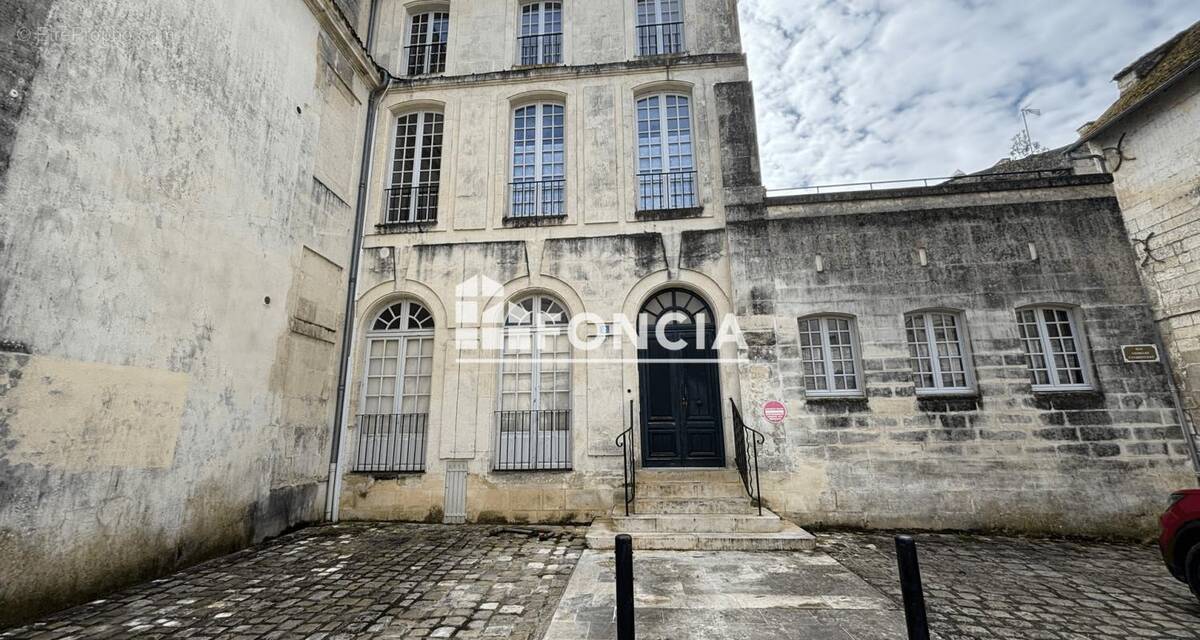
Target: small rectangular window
{"type": "Point", "coordinates": [937, 351]}
{"type": "Point", "coordinates": [828, 351]}
{"type": "Point", "coordinates": [1053, 349]}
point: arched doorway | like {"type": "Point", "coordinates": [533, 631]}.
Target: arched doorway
{"type": "Point", "coordinates": [679, 383]}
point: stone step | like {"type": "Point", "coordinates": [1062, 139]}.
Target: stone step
{"type": "Point", "coordinates": [690, 489]}
{"type": "Point", "coordinates": [702, 523]}
{"type": "Point", "coordinates": [713, 476]}
{"type": "Point", "coordinates": [602, 535]}
{"type": "Point", "coordinates": [677, 506]}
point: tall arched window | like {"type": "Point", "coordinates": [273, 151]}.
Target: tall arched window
{"type": "Point", "coordinates": [659, 27]}
{"type": "Point", "coordinates": [540, 41]}
{"type": "Point", "coordinates": [428, 33]}
{"type": "Point", "coordinates": [539, 161]}
{"type": "Point", "coordinates": [416, 169]}
{"type": "Point", "coordinates": [666, 169]}
{"type": "Point", "coordinates": [534, 416]}
{"type": "Point", "coordinates": [397, 388]}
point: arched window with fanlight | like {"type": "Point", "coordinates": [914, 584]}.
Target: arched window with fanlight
{"type": "Point", "coordinates": [534, 414]}
{"type": "Point", "coordinates": [398, 383]}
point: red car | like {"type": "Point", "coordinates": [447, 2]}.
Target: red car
{"type": "Point", "coordinates": [1180, 538]}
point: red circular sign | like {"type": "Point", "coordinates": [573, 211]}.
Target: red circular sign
{"type": "Point", "coordinates": [774, 411]}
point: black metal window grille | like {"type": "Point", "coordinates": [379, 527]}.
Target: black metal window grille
{"type": "Point", "coordinates": [427, 37]}
{"type": "Point", "coordinates": [391, 443]}
{"type": "Point", "coordinates": [674, 190]}
{"type": "Point", "coordinates": [416, 169]}
{"type": "Point", "coordinates": [533, 440]}
{"type": "Point", "coordinates": [541, 36]}
{"type": "Point", "coordinates": [659, 27]}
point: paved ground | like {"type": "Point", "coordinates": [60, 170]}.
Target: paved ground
{"type": "Point", "coordinates": [727, 595]}
{"type": "Point", "coordinates": [346, 581]}
{"type": "Point", "coordinates": [993, 587]}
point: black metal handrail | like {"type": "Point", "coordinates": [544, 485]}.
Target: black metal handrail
{"type": "Point", "coordinates": [391, 443]}
{"type": "Point", "coordinates": [538, 198]}
{"type": "Point", "coordinates": [533, 440]}
{"type": "Point", "coordinates": [543, 48]}
{"type": "Point", "coordinates": [667, 190]}
{"type": "Point", "coordinates": [924, 182]}
{"type": "Point", "coordinates": [745, 442]}
{"type": "Point", "coordinates": [411, 204]}
{"type": "Point", "coordinates": [629, 466]}
{"type": "Point", "coordinates": [424, 59]}
{"type": "Point", "coordinates": [660, 39]}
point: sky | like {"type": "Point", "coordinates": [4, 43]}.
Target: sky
{"type": "Point", "coordinates": [856, 90]}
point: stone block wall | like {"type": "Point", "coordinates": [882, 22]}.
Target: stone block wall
{"type": "Point", "coordinates": [1003, 457]}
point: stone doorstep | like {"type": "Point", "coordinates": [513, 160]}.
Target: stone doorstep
{"type": "Point", "coordinates": [692, 506]}
{"type": "Point", "coordinates": [768, 522]}
{"type": "Point", "coordinates": [602, 535]}
{"type": "Point", "coordinates": [690, 489]}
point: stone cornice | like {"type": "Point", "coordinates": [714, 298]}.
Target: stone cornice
{"type": "Point", "coordinates": [334, 22]}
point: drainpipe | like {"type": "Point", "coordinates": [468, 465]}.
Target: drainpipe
{"type": "Point", "coordinates": [333, 484]}
{"type": "Point", "coordinates": [1185, 424]}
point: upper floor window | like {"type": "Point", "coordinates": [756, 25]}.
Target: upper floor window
{"type": "Point", "coordinates": [416, 169]}
{"type": "Point", "coordinates": [1053, 348]}
{"type": "Point", "coordinates": [427, 36]}
{"type": "Point", "coordinates": [398, 384]}
{"type": "Point", "coordinates": [541, 36]}
{"type": "Point", "coordinates": [659, 27]}
{"type": "Point", "coordinates": [666, 170]}
{"type": "Point", "coordinates": [534, 418]}
{"type": "Point", "coordinates": [937, 352]}
{"type": "Point", "coordinates": [828, 352]}
{"type": "Point", "coordinates": [538, 162]}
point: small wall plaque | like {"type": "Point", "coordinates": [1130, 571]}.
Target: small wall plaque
{"type": "Point", "coordinates": [1140, 352]}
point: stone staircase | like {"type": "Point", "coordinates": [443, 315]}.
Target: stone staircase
{"type": "Point", "coordinates": [690, 510]}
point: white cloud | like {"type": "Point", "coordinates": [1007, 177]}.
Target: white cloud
{"type": "Point", "coordinates": [852, 90]}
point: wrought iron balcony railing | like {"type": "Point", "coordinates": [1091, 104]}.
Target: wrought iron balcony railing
{"type": "Point", "coordinates": [660, 39]}
{"type": "Point", "coordinates": [545, 48]}
{"type": "Point", "coordinates": [424, 59]}
{"type": "Point", "coordinates": [533, 440]}
{"type": "Point", "coordinates": [669, 190]}
{"type": "Point", "coordinates": [537, 199]}
{"type": "Point", "coordinates": [391, 443]}
{"type": "Point", "coordinates": [409, 205]}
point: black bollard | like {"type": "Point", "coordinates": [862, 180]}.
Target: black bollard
{"type": "Point", "coordinates": [624, 587]}
{"type": "Point", "coordinates": [910, 586]}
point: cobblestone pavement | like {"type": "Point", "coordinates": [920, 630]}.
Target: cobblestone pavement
{"type": "Point", "coordinates": [385, 581]}
{"type": "Point", "coordinates": [996, 587]}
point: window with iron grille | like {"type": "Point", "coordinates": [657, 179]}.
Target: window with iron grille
{"type": "Point", "coordinates": [541, 36]}
{"type": "Point", "coordinates": [428, 34]}
{"type": "Point", "coordinates": [398, 380]}
{"type": "Point", "coordinates": [538, 187]}
{"type": "Point", "coordinates": [829, 354]}
{"type": "Point", "coordinates": [416, 169]}
{"type": "Point", "coordinates": [666, 169]}
{"type": "Point", "coordinates": [533, 428]}
{"type": "Point", "coordinates": [659, 27]}
{"type": "Point", "coordinates": [1054, 349]}
{"type": "Point", "coordinates": [937, 352]}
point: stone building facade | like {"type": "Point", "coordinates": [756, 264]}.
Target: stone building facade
{"type": "Point", "coordinates": [177, 189]}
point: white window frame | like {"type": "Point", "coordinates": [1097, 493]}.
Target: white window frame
{"type": "Point", "coordinates": [539, 163]}
{"type": "Point", "coordinates": [541, 33]}
{"type": "Point", "coordinates": [827, 359]}
{"type": "Point", "coordinates": [403, 336]}
{"type": "Point", "coordinates": [664, 157]}
{"type": "Point", "coordinates": [414, 175]}
{"type": "Point", "coordinates": [1052, 370]}
{"type": "Point", "coordinates": [426, 40]}
{"type": "Point", "coordinates": [659, 49]}
{"type": "Point", "coordinates": [934, 358]}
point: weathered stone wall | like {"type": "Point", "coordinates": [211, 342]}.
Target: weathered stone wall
{"type": "Point", "coordinates": [167, 168]}
{"type": "Point", "coordinates": [1003, 457]}
{"type": "Point", "coordinates": [1158, 187]}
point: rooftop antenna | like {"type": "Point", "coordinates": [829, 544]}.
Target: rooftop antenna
{"type": "Point", "coordinates": [1025, 113]}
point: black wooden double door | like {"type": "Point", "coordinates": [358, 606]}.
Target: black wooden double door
{"type": "Point", "coordinates": [681, 405]}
